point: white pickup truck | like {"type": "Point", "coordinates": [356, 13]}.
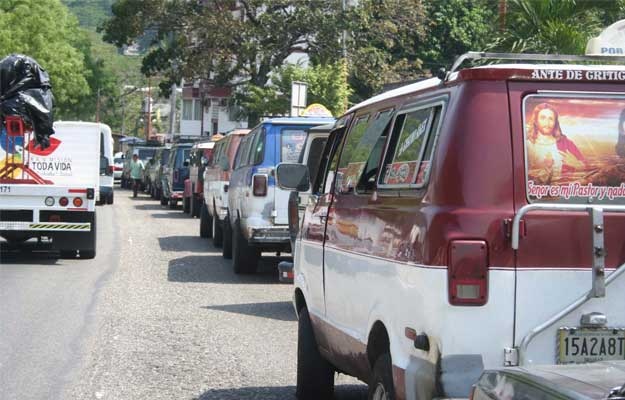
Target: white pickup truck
{"type": "Point", "coordinates": [51, 193]}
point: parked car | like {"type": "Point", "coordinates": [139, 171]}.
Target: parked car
{"type": "Point", "coordinates": [216, 181]}
{"type": "Point", "coordinates": [118, 166]}
{"type": "Point", "coordinates": [107, 168]}
{"type": "Point", "coordinates": [144, 152]}
{"type": "Point", "coordinates": [257, 209]}
{"type": "Point", "coordinates": [175, 173]}
{"type": "Point", "coordinates": [200, 156]}
{"type": "Point", "coordinates": [155, 170]}
{"type": "Point", "coordinates": [599, 381]}
{"type": "Point", "coordinates": [449, 232]}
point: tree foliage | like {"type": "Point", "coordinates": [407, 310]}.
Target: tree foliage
{"type": "Point", "coordinates": [219, 42]}
{"type": "Point", "coordinates": [46, 31]}
{"type": "Point", "coordinates": [327, 85]}
{"type": "Point", "coordinates": [382, 43]}
{"type": "Point", "coordinates": [555, 26]}
{"type": "Point", "coordinates": [90, 13]}
{"type": "Point", "coordinates": [455, 27]}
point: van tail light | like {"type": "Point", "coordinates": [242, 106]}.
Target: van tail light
{"type": "Point", "coordinates": [468, 273]}
{"type": "Point", "coordinates": [176, 176]}
{"type": "Point", "coordinates": [259, 185]}
{"type": "Point", "coordinates": [111, 169]}
{"type": "Point", "coordinates": [293, 211]}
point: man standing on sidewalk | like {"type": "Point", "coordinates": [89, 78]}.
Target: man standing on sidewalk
{"type": "Point", "coordinates": [136, 172]}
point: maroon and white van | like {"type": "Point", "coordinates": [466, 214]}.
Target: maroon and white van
{"type": "Point", "coordinates": [465, 222]}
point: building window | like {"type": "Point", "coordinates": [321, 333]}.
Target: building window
{"type": "Point", "coordinates": [197, 110]}
{"type": "Point", "coordinates": [187, 109]}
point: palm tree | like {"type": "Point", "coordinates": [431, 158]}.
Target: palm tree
{"type": "Point", "coordinates": [555, 26]}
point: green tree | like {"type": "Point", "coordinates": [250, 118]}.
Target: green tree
{"type": "Point", "coordinates": [327, 85]}
{"type": "Point", "coordinates": [46, 31]}
{"type": "Point", "coordinates": [216, 41]}
{"type": "Point", "coordinates": [555, 26]}
{"type": "Point", "coordinates": [90, 13]}
{"type": "Point", "coordinates": [382, 45]}
{"type": "Point", "coordinates": [455, 27]}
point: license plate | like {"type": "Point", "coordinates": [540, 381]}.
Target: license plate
{"type": "Point", "coordinates": [585, 345]}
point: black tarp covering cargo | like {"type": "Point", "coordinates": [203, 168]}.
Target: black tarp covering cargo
{"type": "Point", "coordinates": [25, 90]}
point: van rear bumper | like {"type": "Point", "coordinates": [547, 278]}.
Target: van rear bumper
{"type": "Point", "coordinates": [267, 234]}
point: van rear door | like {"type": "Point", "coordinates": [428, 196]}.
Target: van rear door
{"type": "Point", "coordinates": [565, 137]}
{"type": "Point", "coordinates": [291, 142]}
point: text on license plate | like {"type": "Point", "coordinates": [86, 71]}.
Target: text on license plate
{"type": "Point", "coordinates": [584, 345]}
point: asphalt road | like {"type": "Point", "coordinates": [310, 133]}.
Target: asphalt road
{"type": "Point", "coordinates": [158, 314]}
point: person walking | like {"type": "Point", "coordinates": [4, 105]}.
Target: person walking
{"type": "Point", "coordinates": [136, 172]}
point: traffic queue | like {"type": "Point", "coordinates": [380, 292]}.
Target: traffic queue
{"type": "Point", "coordinates": [460, 224]}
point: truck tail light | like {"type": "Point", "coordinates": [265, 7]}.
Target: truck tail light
{"type": "Point", "coordinates": [468, 273]}
{"type": "Point", "coordinates": [63, 201]}
{"type": "Point", "coordinates": [77, 202]}
{"type": "Point", "coordinates": [259, 185]}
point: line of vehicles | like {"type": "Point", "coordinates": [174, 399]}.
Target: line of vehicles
{"type": "Point", "coordinates": [440, 231]}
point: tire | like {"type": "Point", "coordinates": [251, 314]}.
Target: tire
{"type": "Point", "coordinates": [381, 386]}
{"type": "Point", "coordinates": [186, 205]}
{"type": "Point", "coordinates": [110, 198]}
{"type": "Point", "coordinates": [172, 204]}
{"type": "Point", "coordinates": [217, 231]}
{"type": "Point", "coordinates": [315, 376]}
{"type": "Point", "coordinates": [226, 246]}
{"type": "Point", "coordinates": [244, 256]}
{"type": "Point", "coordinates": [195, 206]}
{"type": "Point", "coordinates": [163, 200]}
{"type": "Point", "coordinates": [206, 223]}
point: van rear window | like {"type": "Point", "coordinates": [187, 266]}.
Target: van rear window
{"type": "Point", "coordinates": [574, 148]}
{"type": "Point", "coordinates": [292, 144]}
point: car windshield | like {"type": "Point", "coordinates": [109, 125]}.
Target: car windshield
{"type": "Point", "coordinates": [118, 160]}
{"type": "Point", "coordinates": [146, 154]}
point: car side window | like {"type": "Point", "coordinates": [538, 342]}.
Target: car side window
{"type": "Point", "coordinates": [257, 152]}
{"type": "Point", "coordinates": [408, 160]}
{"type": "Point", "coordinates": [361, 152]}
{"type": "Point", "coordinates": [242, 152]}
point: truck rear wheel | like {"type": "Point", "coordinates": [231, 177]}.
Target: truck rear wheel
{"type": "Point", "coordinates": [110, 198]}
{"type": "Point", "coordinates": [244, 256]}
{"type": "Point", "coordinates": [206, 223]}
{"type": "Point", "coordinates": [163, 200]}
{"type": "Point", "coordinates": [186, 205]}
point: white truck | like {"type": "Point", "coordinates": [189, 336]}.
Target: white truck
{"type": "Point", "coordinates": [50, 193]}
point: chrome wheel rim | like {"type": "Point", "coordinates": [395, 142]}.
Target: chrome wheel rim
{"type": "Point", "coordinates": [380, 393]}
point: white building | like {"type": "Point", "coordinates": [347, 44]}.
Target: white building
{"type": "Point", "coordinates": [216, 116]}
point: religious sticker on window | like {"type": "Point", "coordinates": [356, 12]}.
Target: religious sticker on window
{"type": "Point", "coordinates": [575, 148]}
{"type": "Point", "coordinates": [410, 143]}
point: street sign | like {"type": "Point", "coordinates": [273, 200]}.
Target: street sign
{"type": "Point", "coordinates": [299, 92]}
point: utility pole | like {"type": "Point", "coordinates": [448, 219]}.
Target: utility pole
{"type": "Point", "coordinates": [149, 113]}
{"type": "Point", "coordinates": [97, 107]}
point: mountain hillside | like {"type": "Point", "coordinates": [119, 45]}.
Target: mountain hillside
{"type": "Point", "coordinates": [90, 13]}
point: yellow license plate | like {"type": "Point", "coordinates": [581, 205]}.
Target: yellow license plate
{"type": "Point", "coordinates": [585, 345]}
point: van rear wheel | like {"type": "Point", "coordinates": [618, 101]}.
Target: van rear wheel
{"type": "Point", "coordinates": [226, 247]}
{"type": "Point", "coordinates": [244, 256]}
{"type": "Point", "coordinates": [381, 386]}
{"type": "Point", "coordinates": [206, 223]}
{"type": "Point", "coordinates": [315, 376]}
{"type": "Point", "coordinates": [217, 229]}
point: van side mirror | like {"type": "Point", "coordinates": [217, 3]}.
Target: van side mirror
{"type": "Point", "coordinates": [293, 176]}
